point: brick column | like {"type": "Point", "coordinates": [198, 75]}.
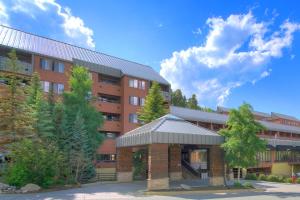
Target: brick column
{"type": "Point", "coordinates": [158, 177]}
{"type": "Point", "coordinates": [124, 164]}
{"type": "Point", "coordinates": [175, 171]}
{"type": "Point", "coordinates": [216, 157]}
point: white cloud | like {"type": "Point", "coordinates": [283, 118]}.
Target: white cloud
{"type": "Point", "coordinates": [73, 26]}
{"type": "Point", "coordinates": [237, 50]}
{"type": "Point", "coordinates": [4, 18]}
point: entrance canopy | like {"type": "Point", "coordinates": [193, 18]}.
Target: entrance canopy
{"type": "Point", "coordinates": [169, 129]}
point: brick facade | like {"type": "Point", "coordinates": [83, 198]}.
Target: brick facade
{"type": "Point", "coordinates": [216, 165]}
{"type": "Point", "coordinates": [175, 168]}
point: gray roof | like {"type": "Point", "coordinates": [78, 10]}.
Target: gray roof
{"type": "Point", "coordinates": [288, 117]}
{"type": "Point", "coordinates": [197, 115]}
{"type": "Point", "coordinates": [257, 113]}
{"type": "Point", "coordinates": [275, 142]}
{"type": "Point", "coordinates": [44, 46]}
{"type": "Point", "coordinates": [171, 130]}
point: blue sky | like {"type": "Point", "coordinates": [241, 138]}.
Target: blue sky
{"type": "Point", "coordinates": [226, 53]}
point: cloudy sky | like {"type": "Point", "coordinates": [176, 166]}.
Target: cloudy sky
{"type": "Point", "coordinates": [225, 53]}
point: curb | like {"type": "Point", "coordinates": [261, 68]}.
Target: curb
{"type": "Point", "coordinates": [166, 193]}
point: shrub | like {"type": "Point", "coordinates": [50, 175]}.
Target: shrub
{"type": "Point", "coordinates": [237, 184]}
{"type": "Point", "coordinates": [250, 176]}
{"type": "Point", "coordinates": [248, 185]}
{"type": "Point", "coordinates": [273, 178]}
{"type": "Point", "coordinates": [35, 162]}
{"type": "Point", "coordinates": [288, 180]}
{"type": "Point", "coordinates": [298, 180]}
{"type": "Point", "coordinates": [262, 177]}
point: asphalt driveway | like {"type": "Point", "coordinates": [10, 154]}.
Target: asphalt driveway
{"type": "Point", "coordinates": [135, 191]}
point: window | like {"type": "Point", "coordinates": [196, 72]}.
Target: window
{"type": "Point", "coordinates": [133, 83]}
{"type": "Point", "coordinates": [106, 157]}
{"type": "Point", "coordinates": [142, 85]}
{"type": "Point", "coordinates": [58, 67]}
{"type": "Point", "coordinates": [45, 64]}
{"type": "Point", "coordinates": [133, 118]}
{"type": "Point", "coordinates": [58, 88]}
{"type": "Point", "coordinates": [142, 101]}
{"type": "Point", "coordinates": [134, 100]}
{"type": "Point", "coordinates": [45, 86]}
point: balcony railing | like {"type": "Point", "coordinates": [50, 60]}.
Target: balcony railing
{"type": "Point", "coordinates": [25, 68]}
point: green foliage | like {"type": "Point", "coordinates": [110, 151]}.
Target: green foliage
{"type": "Point", "coordinates": [139, 165]}
{"type": "Point", "coordinates": [298, 180]}
{"type": "Point", "coordinates": [288, 180]}
{"type": "Point", "coordinates": [248, 185]}
{"type": "Point", "coordinates": [262, 177]}
{"type": "Point", "coordinates": [237, 184]}
{"type": "Point", "coordinates": [192, 103]}
{"type": "Point", "coordinates": [250, 176]}
{"type": "Point", "coordinates": [80, 124]}
{"type": "Point", "coordinates": [16, 119]}
{"type": "Point", "coordinates": [154, 105]}
{"type": "Point", "coordinates": [34, 162]}
{"type": "Point", "coordinates": [177, 99]}
{"type": "Point", "coordinates": [273, 178]}
{"type": "Point", "coordinates": [43, 125]}
{"type": "Point", "coordinates": [241, 141]}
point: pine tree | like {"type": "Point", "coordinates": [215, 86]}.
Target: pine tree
{"type": "Point", "coordinates": [44, 125]}
{"type": "Point", "coordinates": [192, 102]}
{"type": "Point", "coordinates": [16, 119]}
{"type": "Point", "coordinates": [177, 99]}
{"type": "Point", "coordinates": [154, 105]}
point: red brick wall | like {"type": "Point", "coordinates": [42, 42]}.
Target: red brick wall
{"type": "Point", "coordinates": [175, 158]}
{"type": "Point", "coordinates": [216, 156]}
{"type": "Point", "coordinates": [124, 159]}
{"type": "Point", "coordinates": [158, 161]}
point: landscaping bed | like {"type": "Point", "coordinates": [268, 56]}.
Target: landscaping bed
{"type": "Point", "coordinates": [271, 178]}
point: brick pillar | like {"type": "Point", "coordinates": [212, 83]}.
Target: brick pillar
{"type": "Point", "coordinates": [158, 177]}
{"type": "Point", "coordinates": [175, 171]}
{"type": "Point", "coordinates": [124, 164]}
{"type": "Point", "coordinates": [216, 157]}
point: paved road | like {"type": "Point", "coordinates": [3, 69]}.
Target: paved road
{"type": "Point", "coordinates": [124, 191]}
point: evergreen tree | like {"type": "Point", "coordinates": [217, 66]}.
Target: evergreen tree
{"type": "Point", "coordinates": [79, 100]}
{"type": "Point", "coordinates": [177, 99]}
{"type": "Point", "coordinates": [154, 105]}
{"type": "Point", "coordinates": [241, 141]}
{"type": "Point", "coordinates": [192, 102]}
{"type": "Point", "coordinates": [41, 111]}
{"type": "Point", "coordinates": [16, 119]}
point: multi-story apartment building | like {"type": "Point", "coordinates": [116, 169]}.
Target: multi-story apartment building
{"type": "Point", "coordinates": [282, 134]}
{"type": "Point", "coordinates": [119, 85]}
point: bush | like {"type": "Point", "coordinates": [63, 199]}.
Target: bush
{"type": "Point", "coordinates": [288, 180]}
{"type": "Point", "coordinates": [298, 180]}
{"type": "Point", "coordinates": [274, 178]}
{"type": "Point", "coordinates": [35, 162]}
{"type": "Point", "coordinates": [248, 185]}
{"type": "Point", "coordinates": [262, 177]}
{"type": "Point", "coordinates": [250, 176]}
{"type": "Point", "coordinates": [237, 184]}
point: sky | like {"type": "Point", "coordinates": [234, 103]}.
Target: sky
{"type": "Point", "coordinates": [226, 52]}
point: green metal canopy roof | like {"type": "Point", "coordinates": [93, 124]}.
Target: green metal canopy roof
{"type": "Point", "coordinates": [171, 130]}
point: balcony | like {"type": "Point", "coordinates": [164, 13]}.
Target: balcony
{"type": "Point", "coordinates": [108, 107]}
{"type": "Point", "coordinates": [107, 88]}
{"type": "Point", "coordinates": [25, 68]}
{"type": "Point", "coordinates": [111, 126]}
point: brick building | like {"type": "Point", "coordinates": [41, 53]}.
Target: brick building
{"type": "Point", "coordinates": [121, 87]}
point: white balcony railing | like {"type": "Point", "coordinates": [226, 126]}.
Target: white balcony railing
{"type": "Point", "coordinates": [25, 68]}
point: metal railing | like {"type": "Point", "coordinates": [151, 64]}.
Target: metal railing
{"type": "Point", "coordinates": [25, 68]}
{"type": "Point", "coordinates": [106, 176]}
